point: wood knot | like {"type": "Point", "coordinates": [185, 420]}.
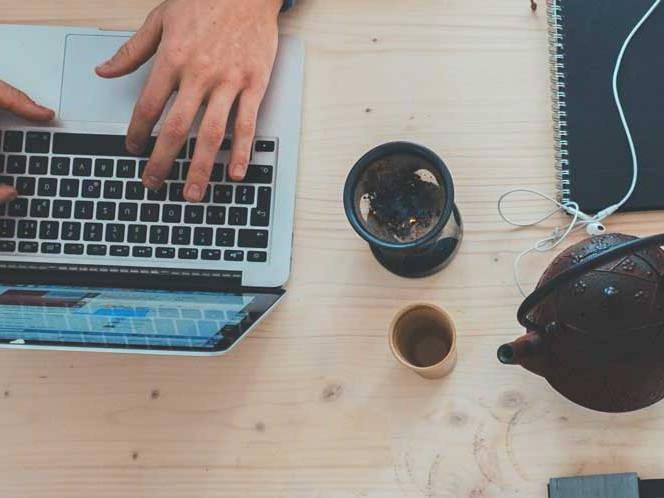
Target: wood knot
{"type": "Point", "coordinates": [332, 392]}
{"type": "Point", "coordinates": [374, 39]}
{"type": "Point", "coordinates": [458, 419]}
{"type": "Point", "coordinates": [154, 394]}
{"type": "Point", "coordinates": [368, 110]}
{"type": "Point", "coordinates": [512, 400]}
{"type": "Point", "coordinates": [259, 427]}
{"type": "Point", "coordinates": [6, 394]}
{"type": "Point", "coordinates": [134, 455]}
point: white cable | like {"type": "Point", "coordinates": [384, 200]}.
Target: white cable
{"type": "Point", "coordinates": [592, 223]}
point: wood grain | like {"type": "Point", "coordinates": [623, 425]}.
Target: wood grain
{"type": "Point", "coordinates": [313, 404]}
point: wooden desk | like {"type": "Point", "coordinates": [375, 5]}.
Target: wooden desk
{"type": "Point", "coordinates": [313, 405]}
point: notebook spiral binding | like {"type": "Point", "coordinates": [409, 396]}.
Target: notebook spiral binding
{"type": "Point", "coordinates": [557, 64]}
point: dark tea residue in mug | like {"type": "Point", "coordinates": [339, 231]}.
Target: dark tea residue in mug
{"type": "Point", "coordinates": [426, 346]}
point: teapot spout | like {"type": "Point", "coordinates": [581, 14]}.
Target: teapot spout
{"type": "Point", "coordinates": [523, 350]}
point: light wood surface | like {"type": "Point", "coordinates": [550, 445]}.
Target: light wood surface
{"type": "Point", "coordinates": [313, 404]}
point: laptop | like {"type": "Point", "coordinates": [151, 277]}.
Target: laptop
{"type": "Point", "coordinates": [89, 259]}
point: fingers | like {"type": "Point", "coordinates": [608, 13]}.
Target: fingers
{"type": "Point", "coordinates": [135, 51]}
{"type": "Point", "coordinates": [243, 133]}
{"type": "Point", "coordinates": [210, 135]}
{"type": "Point", "coordinates": [173, 135]}
{"type": "Point", "coordinates": [157, 90]}
{"type": "Point", "coordinates": [7, 194]}
{"type": "Point", "coordinates": [18, 103]}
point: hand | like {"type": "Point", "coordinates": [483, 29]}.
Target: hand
{"type": "Point", "coordinates": [210, 51]}
{"type": "Point", "coordinates": [18, 103]}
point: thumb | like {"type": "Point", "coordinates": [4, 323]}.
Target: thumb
{"type": "Point", "coordinates": [18, 103]}
{"type": "Point", "coordinates": [135, 51]}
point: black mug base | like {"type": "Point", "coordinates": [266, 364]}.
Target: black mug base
{"type": "Point", "coordinates": [426, 262]}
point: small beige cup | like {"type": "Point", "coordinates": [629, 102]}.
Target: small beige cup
{"type": "Point", "coordinates": [423, 338]}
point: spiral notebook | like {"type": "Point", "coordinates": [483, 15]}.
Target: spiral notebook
{"type": "Point", "coordinates": [592, 155]}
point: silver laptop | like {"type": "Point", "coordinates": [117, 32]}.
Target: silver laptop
{"type": "Point", "coordinates": [89, 259]}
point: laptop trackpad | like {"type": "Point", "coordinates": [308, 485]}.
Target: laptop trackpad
{"type": "Point", "coordinates": [87, 97]}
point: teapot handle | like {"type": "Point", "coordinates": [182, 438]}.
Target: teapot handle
{"type": "Point", "coordinates": [591, 262]}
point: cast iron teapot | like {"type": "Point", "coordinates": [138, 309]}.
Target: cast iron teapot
{"type": "Point", "coordinates": [595, 324]}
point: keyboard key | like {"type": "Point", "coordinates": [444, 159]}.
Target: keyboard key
{"type": "Point", "coordinates": [7, 229]}
{"type": "Point", "coordinates": [264, 146]}
{"type": "Point", "coordinates": [137, 234]}
{"type": "Point", "coordinates": [82, 166]}
{"type": "Point", "coordinates": [16, 165]}
{"type": "Point", "coordinates": [264, 200]}
{"type": "Point", "coordinates": [165, 252]}
{"type": "Point", "coordinates": [87, 144]}
{"type": "Point", "coordinates": [92, 232]}
{"type": "Point", "coordinates": [2, 163]}
{"type": "Point", "coordinates": [60, 166]}
{"type": "Point", "coordinates": [7, 180]}
{"type": "Point", "coordinates": [134, 191]}
{"type": "Point", "coordinates": [48, 187]}
{"type": "Point", "coordinates": [62, 209]}
{"type": "Point", "coordinates": [7, 246]}
{"type": "Point", "coordinates": [222, 194]}
{"type": "Point", "coordinates": [142, 252]}
{"type": "Point", "coordinates": [27, 229]}
{"type": "Point", "coordinates": [245, 194]}
{"type": "Point", "coordinates": [69, 187]}
{"type": "Point", "coordinates": [258, 174]}
{"type": "Point", "coordinates": [217, 173]}
{"type": "Point", "coordinates": [91, 189]}
{"type": "Point", "coordinates": [128, 211]}
{"type": "Point", "coordinates": [119, 251]}
{"type": "Point", "coordinates": [226, 144]}
{"type": "Point", "coordinates": [203, 236]}
{"type": "Point", "coordinates": [234, 255]}
{"type": "Point", "coordinates": [38, 165]}
{"type": "Point", "coordinates": [49, 230]}
{"type": "Point", "coordinates": [38, 142]}
{"type": "Point", "coordinates": [260, 217]}
{"type": "Point", "coordinates": [115, 232]}
{"type": "Point", "coordinates": [149, 212]}
{"type": "Point", "coordinates": [51, 247]}
{"type": "Point", "coordinates": [225, 237]}
{"type": "Point", "coordinates": [211, 254]}
{"type": "Point", "coordinates": [216, 215]}
{"type": "Point", "coordinates": [28, 247]}
{"type": "Point", "coordinates": [13, 141]}
{"type": "Point", "coordinates": [40, 208]}
{"type": "Point", "coordinates": [71, 230]}
{"type": "Point", "coordinates": [141, 168]}
{"type": "Point", "coordinates": [237, 216]}
{"type": "Point", "coordinates": [174, 173]}
{"type": "Point", "coordinates": [181, 236]}
{"type": "Point", "coordinates": [105, 211]}
{"type": "Point", "coordinates": [104, 168]}
{"type": "Point", "coordinates": [83, 210]}
{"type": "Point", "coordinates": [96, 250]}
{"type": "Point", "coordinates": [194, 214]}
{"type": "Point", "coordinates": [257, 256]}
{"type": "Point", "coordinates": [73, 248]}
{"type": "Point", "coordinates": [172, 213]}
{"type": "Point", "coordinates": [18, 208]}
{"type": "Point", "coordinates": [252, 238]}
{"type": "Point", "coordinates": [184, 253]}
{"type": "Point", "coordinates": [126, 168]}
{"type": "Point", "coordinates": [158, 195]}
{"type": "Point", "coordinates": [159, 234]}
{"type": "Point", "coordinates": [112, 189]}
{"type": "Point", "coordinates": [176, 192]}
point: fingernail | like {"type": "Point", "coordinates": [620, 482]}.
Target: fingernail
{"type": "Point", "coordinates": [132, 147]}
{"type": "Point", "coordinates": [104, 65]}
{"type": "Point", "coordinates": [152, 182]}
{"type": "Point", "coordinates": [238, 170]}
{"type": "Point", "coordinates": [193, 193]}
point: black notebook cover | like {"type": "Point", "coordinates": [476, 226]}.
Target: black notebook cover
{"type": "Point", "coordinates": [593, 155]}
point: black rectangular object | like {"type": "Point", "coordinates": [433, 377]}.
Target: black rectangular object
{"type": "Point", "coordinates": [92, 144]}
{"type": "Point", "coordinates": [599, 486]}
{"type": "Point", "coordinates": [599, 171]}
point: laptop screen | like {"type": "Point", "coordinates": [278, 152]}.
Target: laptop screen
{"type": "Point", "coordinates": [128, 319]}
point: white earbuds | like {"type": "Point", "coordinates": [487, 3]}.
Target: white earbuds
{"type": "Point", "coordinates": [595, 228]}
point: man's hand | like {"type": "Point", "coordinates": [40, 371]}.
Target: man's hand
{"type": "Point", "coordinates": [210, 51]}
{"type": "Point", "coordinates": [18, 103]}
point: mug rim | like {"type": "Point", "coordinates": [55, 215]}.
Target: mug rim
{"type": "Point", "coordinates": [397, 353]}
{"type": "Point", "coordinates": [380, 152]}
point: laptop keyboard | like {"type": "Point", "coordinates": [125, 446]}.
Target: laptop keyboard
{"type": "Point", "coordinates": [81, 195]}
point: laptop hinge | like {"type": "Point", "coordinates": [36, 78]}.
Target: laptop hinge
{"type": "Point", "coordinates": [126, 277]}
